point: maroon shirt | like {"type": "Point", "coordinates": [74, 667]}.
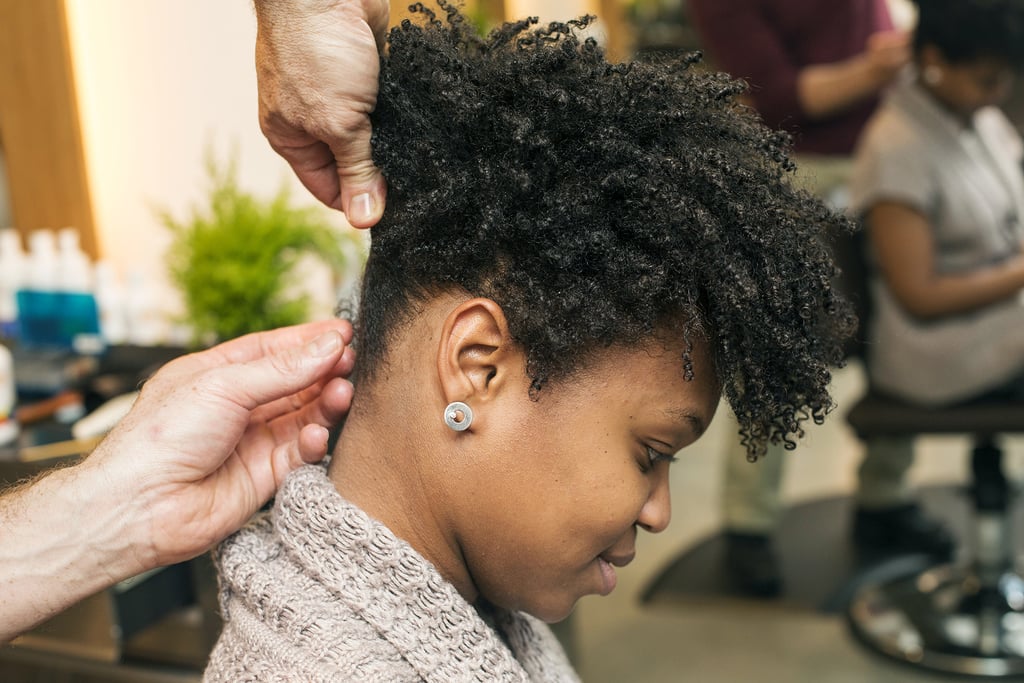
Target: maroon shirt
{"type": "Point", "coordinates": [768, 42]}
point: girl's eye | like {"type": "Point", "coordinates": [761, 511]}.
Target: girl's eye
{"type": "Point", "coordinates": [655, 456]}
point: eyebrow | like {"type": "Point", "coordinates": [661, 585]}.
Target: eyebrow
{"type": "Point", "coordinates": [683, 415]}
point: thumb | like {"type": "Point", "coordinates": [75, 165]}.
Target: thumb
{"type": "Point", "coordinates": [363, 200]}
{"type": "Point", "coordinates": [281, 374]}
{"type": "Point", "coordinates": [363, 188]}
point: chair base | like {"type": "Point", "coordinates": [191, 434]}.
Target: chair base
{"type": "Point", "coordinates": [945, 619]}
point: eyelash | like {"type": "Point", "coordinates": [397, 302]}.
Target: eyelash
{"type": "Point", "coordinates": [656, 456]}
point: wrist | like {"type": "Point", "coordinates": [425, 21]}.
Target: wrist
{"type": "Point", "coordinates": [114, 533]}
{"type": "Point", "coordinates": [62, 539]}
{"type": "Point", "coordinates": [880, 74]}
{"type": "Point", "coordinates": [287, 31]}
{"type": "Point", "coordinates": [284, 13]}
{"type": "Point", "coordinates": [863, 76]}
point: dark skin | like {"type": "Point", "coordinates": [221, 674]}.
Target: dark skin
{"type": "Point", "coordinates": [566, 480]}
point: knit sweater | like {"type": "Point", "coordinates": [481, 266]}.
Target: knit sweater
{"type": "Point", "coordinates": [316, 590]}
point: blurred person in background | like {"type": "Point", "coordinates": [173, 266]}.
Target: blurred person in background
{"type": "Point", "coordinates": [816, 70]}
{"type": "Point", "coordinates": [937, 184]}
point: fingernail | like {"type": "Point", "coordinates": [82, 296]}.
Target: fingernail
{"type": "Point", "coordinates": [360, 209]}
{"type": "Point", "coordinates": [325, 345]}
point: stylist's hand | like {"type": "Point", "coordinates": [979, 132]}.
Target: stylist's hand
{"type": "Point", "coordinates": [213, 434]}
{"type": "Point", "coordinates": [317, 65]}
{"type": "Point", "coordinates": [887, 52]}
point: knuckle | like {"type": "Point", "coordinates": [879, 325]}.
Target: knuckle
{"type": "Point", "coordinates": [288, 363]}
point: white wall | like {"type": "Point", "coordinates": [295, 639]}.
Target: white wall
{"type": "Point", "coordinates": [557, 10]}
{"type": "Point", "coordinates": [550, 10]}
{"type": "Point", "coordinates": [158, 81]}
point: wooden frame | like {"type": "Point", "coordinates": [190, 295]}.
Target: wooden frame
{"type": "Point", "coordinates": [39, 126]}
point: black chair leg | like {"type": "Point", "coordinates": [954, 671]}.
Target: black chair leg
{"type": "Point", "coordinates": [991, 497]}
{"type": "Point", "coordinates": [964, 619]}
{"type": "Point", "coordinates": [1000, 597]}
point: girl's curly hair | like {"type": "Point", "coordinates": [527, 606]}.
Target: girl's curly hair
{"type": "Point", "coordinates": [599, 204]}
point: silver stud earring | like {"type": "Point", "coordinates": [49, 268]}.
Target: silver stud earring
{"type": "Point", "coordinates": [932, 75]}
{"type": "Point", "coordinates": [458, 416]}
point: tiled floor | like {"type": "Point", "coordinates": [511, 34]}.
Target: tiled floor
{"type": "Point", "coordinates": [618, 640]}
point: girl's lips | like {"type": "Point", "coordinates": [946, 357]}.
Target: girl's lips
{"type": "Point", "coordinates": [607, 576]}
{"type": "Point", "coordinates": [620, 559]}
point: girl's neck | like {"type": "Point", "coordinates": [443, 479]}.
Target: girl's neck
{"type": "Point", "coordinates": [375, 468]}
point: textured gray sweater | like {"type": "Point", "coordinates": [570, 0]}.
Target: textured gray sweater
{"type": "Point", "coordinates": [318, 591]}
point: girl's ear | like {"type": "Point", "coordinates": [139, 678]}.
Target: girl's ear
{"type": "Point", "coordinates": [476, 356]}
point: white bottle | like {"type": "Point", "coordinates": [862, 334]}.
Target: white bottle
{"type": "Point", "coordinates": [12, 278]}
{"type": "Point", "coordinates": [79, 312]}
{"type": "Point", "coordinates": [43, 272]}
{"type": "Point", "coordinates": [145, 327]}
{"type": "Point", "coordinates": [110, 297]}
{"type": "Point", "coordinates": [38, 301]}
{"type": "Point", "coordinates": [8, 427]}
{"type": "Point", "coordinates": [74, 270]}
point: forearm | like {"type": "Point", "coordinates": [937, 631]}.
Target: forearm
{"type": "Point", "coordinates": [824, 90]}
{"type": "Point", "coordinates": [945, 295]}
{"type": "Point", "coordinates": [62, 538]}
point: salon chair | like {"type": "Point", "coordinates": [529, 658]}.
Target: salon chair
{"type": "Point", "coordinates": [965, 617]}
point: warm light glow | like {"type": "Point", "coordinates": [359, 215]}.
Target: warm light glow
{"type": "Point", "coordinates": [551, 10]}
{"type": "Point", "coordinates": [158, 83]}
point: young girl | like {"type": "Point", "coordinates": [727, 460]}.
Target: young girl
{"type": "Point", "coordinates": [576, 260]}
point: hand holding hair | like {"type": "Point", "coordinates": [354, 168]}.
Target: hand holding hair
{"type": "Point", "coordinates": [317, 67]}
{"type": "Point", "coordinates": [887, 52]}
{"type": "Point", "coordinates": [211, 437]}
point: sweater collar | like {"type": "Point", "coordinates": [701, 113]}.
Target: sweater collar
{"type": "Point", "coordinates": [394, 588]}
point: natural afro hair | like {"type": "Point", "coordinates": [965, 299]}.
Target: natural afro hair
{"type": "Point", "coordinates": [599, 204]}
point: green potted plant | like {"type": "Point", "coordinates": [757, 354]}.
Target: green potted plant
{"type": "Point", "coordinates": [234, 260]}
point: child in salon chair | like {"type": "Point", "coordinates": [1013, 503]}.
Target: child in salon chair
{"type": "Point", "coordinates": [576, 260]}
